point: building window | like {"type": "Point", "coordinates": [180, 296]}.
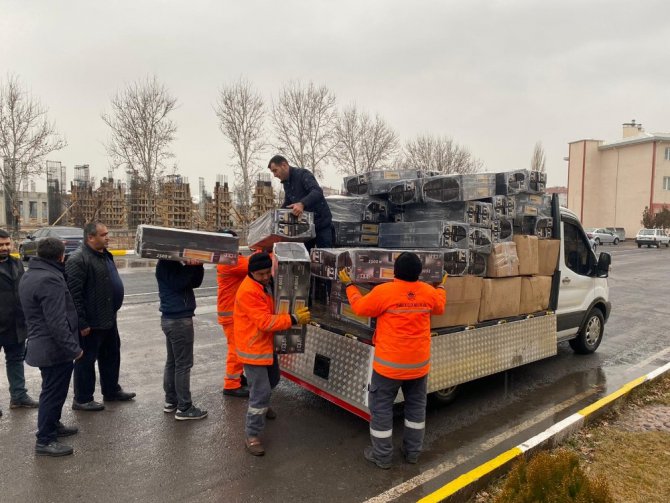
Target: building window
{"type": "Point", "coordinates": [667, 153]}
{"type": "Point", "coordinates": [32, 209]}
{"type": "Point", "coordinates": [666, 183]}
{"type": "Point", "coordinates": [21, 209]}
{"type": "Point", "coordinates": [44, 212]}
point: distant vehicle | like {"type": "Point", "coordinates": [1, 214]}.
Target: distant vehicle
{"type": "Point", "coordinates": [620, 232]}
{"type": "Point", "coordinates": [601, 236]}
{"type": "Point", "coordinates": [71, 237]}
{"type": "Point", "coordinates": [652, 237]}
{"type": "Point", "coordinates": [593, 244]}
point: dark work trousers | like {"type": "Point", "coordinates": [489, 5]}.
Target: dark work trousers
{"type": "Point", "coordinates": [55, 383]}
{"type": "Point", "coordinates": [177, 373]}
{"type": "Point", "coordinates": [14, 356]}
{"type": "Point", "coordinates": [261, 380]}
{"type": "Point", "coordinates": [324, 238]}
{"type": "Point", "coordinates": [381, 395]}
{"type": "Point", "coordinates": [105, 347]}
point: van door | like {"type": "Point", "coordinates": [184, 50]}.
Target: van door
{"type": "Point", "coordinates": [576, 291]}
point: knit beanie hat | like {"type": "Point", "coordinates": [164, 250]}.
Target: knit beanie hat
{"type": "Point", "coordinates": [407, 267]}
{"type": "Point", "coordinates": [259, 261]}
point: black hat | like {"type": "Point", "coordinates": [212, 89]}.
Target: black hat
{"type": "Point", "coordinates": [229, 232]}
{"type": "Point", "coordinates": [260, 261]}
{"type": "Point", "coordinates": [407, 267]}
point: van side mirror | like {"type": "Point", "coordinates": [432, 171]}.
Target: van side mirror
{"type": "Point", "coordinates": [603, 267]}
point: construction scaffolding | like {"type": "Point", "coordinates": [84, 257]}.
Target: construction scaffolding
{"type": "Point", "coordinates": [111, 203]}
{"type": "Point", "coordinates": [263, 197]}
{"type": "Point", "coordinates": [174, 206]}
{"type": "Point", "coordinates": [138, 203]}
{"type": "Point", "coordinates": [223, 203]}
{"type": "Point", "coordinates": [83, 203]}
{"type": "Point", "coordinates": [56, 190]}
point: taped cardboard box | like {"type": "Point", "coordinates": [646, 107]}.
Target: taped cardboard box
{"type": "Point", "coordinates": [503, 261]}
{"type": "Point", "coordinates": [526, 250]}
{"type": "Point", "coordinates": [463, 299]}
{"type": "Point", "coordinates": [501, 298]}
{"type": "Point", "coordinates": [535, 292]}
{"type": "Point", "coordinates": [180, 244]}
{"type": "Point", "coordinates": [548, 251]}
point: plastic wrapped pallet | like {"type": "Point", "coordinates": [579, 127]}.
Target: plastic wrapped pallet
{"type": "Point", "coordinates": [379, 182]}
{"type": "Point", "coordinates": [327, 262]}
{"type": "Point", "coordinates": [280, 225]}
{"type": "Point", "coordinates": [479, 239]}
{"type": "Point", "coordinates": [423, 234]}
{"type": "Point", "coordinates": [502, 230]}
{"type": "Point", "coordinates": [503, 261]}
{"type": "Point", "coordinates": [291, 273]}
{"type": "Point", "coordinates": [478, 186]}
{"type": "Point", "coordinates": [441, 189]}
{"type": "Point", "coordinates": [179, 244]}
{"type": "Point", "coordinates": [375, 265]}
{"type": "Point", "coordinates": [456, 262]}
{"type": "Point", "coordinates": [404, 192]}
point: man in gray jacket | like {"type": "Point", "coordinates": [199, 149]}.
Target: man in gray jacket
{"type": "Point", "coordinates": [51, 320]}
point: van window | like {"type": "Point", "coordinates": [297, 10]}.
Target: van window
{"type": "Point", "coordinates": [577, 249]}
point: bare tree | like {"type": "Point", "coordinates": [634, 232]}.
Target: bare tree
{"type": "Point", "coordinates": [304, 121]}
{"type": "Point", "coordinates": [362, 144]}
{"type": "Point", "coordinates": [439, 153]}
{"type": "Point", "coordinates": [26, 138]}
{"type": "Point", "coordinates": [142, 133]}
{"type": "Point", "coordinates": [241, 113]}
{"type": "Point", "coordinates": [538, 161]}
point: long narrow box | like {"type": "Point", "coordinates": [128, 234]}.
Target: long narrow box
{"type": "Point", "coordinates": [327, 262]}
{"type": "Point", "coordinates": [379, 182]}
{"type": "Point", "coordinates": [478, 186]}
{"type": "Point", "coordinates": [356, 234]}
{"type": "Point", "coordinates": [375, 265]}
{"type": "Point", "coordinates": [358, 209]}
{"type": "Point", "coordinates": [179, 244]}
{"type": "Point", "coordinates": [280, 225]}
{"type": "Point", "coordinates": [291, 273]}
{"type": "Point", "coordinates": [456, 262]}
{"type": "Point", "coordinates": [479, 239]}
{"type": "Point", "coordinates": [424, 234]}
{"type": "Point", "coordinates": [405, 192]}
{"type": "Point", "coordinates": [441, 189]}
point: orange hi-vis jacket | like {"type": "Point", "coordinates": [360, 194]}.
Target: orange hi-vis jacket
{"type": "Point", "coordinates": [402, 336]}
{"type": "Point", "coordinates": [255, 322]}
{"type": "Point", "coordinates": [229, 278]}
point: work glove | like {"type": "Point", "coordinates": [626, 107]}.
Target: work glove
{"type": "Point", "coordinates": [444, 280]}
{"type": "Point", "coordinates": [344, 277]}
{"type": "Point", "coordinates": [302, 315]}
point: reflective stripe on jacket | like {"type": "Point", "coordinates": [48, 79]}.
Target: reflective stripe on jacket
{"type": "Point", "coordinates": [402, 336]}
{"type": "Point", "coordinates": [255, 322]}
{"type": "Point", "coordinates": [229, 278]}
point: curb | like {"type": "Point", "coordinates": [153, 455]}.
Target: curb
{"type": "Point", "coordinates": [461, 488]}
{"type": "Point", "coordinates": [113, 252]}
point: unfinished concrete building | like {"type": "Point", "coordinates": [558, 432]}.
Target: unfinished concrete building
{"type": "Point", "coordinates": [263, 197]}
{"type": "Point", "coordinates": [83, 203]}
{"type": "Point", "coordinates": [138, 203]}
{"type": "Point", "coordinates": [174, 205]}
{"type": "Point", "coordinates": [112, 208]}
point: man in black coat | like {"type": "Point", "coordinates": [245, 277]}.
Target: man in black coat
{"type": "Point", "coordinates": [12, 325]}
{"type": "Point", "coordinates": [97, 291]}
{"type": "Point", "coordinates": [51, 319]}
{"type": "Point", "coordinates": [303, 193]}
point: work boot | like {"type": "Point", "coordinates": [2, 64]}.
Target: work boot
{"type": "Point", "coordinates": [53, 449]}
{"type": "Point", "coordinates": [25, 402]}
{"type": "Point", "coordinates": [119, 396]}
{"type": "Point", "coordinates": [270, 413]}
{"type": "Point", "coordinates": [241, 392]}
{"type": "Point", "coordinates": [369, 454]}
{"type": "Point", "coordinates": [254, 446]}
{"type": "Point", "coordinates": [65, 431]}
{"type": "Point", "coordinates": [91, 406]}
{"type": "Point", "coordinates": [411, 458]}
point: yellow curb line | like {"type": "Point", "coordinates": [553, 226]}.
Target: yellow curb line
{"type": "Point", "coordinates": [461, 482]}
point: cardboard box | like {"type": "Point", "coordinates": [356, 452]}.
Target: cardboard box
{"type": "Point", "coordinates": [463, 299]}
{"type": "Point", "coordinates": [501, 298]}
{"type": "Point", "coordinates": [291, 273]}
{"type": "Point", "coordinates": [535, 292]}
{"type": "Point", "coordinates": [281, 225]}
{"type": "Point", "coordinates": [548, 251]}
{"type": "Point", "coordinates": [526, 250]}
{"type": "Point", "coordinates": [503, 261]}
{"type": "Point", "coordinates": [478, 186]}
{"type": "Point", "coordinates": [379, 182]}
{"type": "Point", "coordinates": [340, 309]}
{"type": "Point", "coordinates": [375, 265]}
{"type": "Point", "coordinates": [356, 234]}
{"type": "Point", "coordinates": [180, 244]}
{"type": "Point", "coordinates": [475, 213]}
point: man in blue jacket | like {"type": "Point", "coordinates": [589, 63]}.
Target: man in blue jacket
{"type": "Point", "coordinates": [176, 281]}
{"type": "Point", "coordinates": [303, 193]}
{"type": "Point", "coordinates": [52, 345]}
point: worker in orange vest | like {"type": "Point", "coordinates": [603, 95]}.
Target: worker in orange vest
{"type": "Point", "coordinates": [255, 323]}
{"type": "Point", "coordinates": [229, 278]}
{"type": "Point", "coordinates": [402, 354]}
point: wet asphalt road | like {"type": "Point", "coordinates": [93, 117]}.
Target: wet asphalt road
{"type": "Point", "coordinates": [135, 452]}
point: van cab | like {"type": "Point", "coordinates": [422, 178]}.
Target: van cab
{"type": "Point", "coordinates": [652, 237]}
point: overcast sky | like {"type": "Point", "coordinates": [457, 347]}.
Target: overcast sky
{"type": "Point", "coordinates": [496, 76]}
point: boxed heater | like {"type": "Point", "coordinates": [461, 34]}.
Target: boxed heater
{"type": "Point", "coordinates": [375, 265]}
{"type": "Point", "coordinates": [280, 225]}
{"type": "Point", "coordinates": [327, 262]}
{"type": "Point", "coordinates": [291, 273]}
{"type": "Point", "coordinates": [404, 192]}
{"type": "Point", "coordinates": [535, 291]}
{"type": "Point", "coordinates": [477, 263]}
{"type": "Point", "coordinates": [423, 234]}
{"type": "Point", "coordinates": [180, 244]}
{"type": "Point", "coordinates": [441, 189]}
{"type": "Point", "coordinates": [379, 182]}
{"type": "Point", "coordinates": [502, 230]}
{"type": "Point", "coordinates": [456, 262]}
{"type": "Point", "coordinates": [532, 205]}
{"type": "Point", "coordinates": [479, 239]}
{"type": "Point", "coordinates": [503, 206]}
{"type": "Point", "coordinates": [478, 186]}
{"type": "Point", "coordinates": [356, 185]}
{"type": "Point", "coordinates": [542, 227]}
{"type": "Point", "coordinates": [527, 251]}
{"type": "Point", "coordinates": [476, 213]}
{"type": "Point", "coordinates": [356, 234]}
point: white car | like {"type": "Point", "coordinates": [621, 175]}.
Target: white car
{"type": "Point", "coordinates": [652, 237]}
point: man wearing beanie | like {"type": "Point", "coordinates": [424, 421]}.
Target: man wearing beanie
{"type": "Point", "coordinates": [254, 324]}
{"type": "Point", "coordinates": [402, 354]}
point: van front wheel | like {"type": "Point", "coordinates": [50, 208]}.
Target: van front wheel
{"type": "Point", "coordinates": [443, 396]}
{"type": "Point", "coordinates": [591, 334]}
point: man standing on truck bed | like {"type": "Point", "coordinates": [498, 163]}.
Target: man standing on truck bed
{"type": "Point", "coordinates": [402, 354]}
{"type": "Point", "coordinates": [303, 193]}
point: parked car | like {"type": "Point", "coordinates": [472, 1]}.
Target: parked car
{"type": "Point", "coordinates": [620, 232]}
{"type": "Point", "coordinates": [600, 235]}
{"type": "Point", "coordinates": [652, 237]}
{"type": "Point", "coordinates": [72, 237]}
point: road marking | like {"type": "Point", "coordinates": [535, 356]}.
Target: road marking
{"type": "Point", "coordinates": [444, 467]}
{"type": "Point", "coordinates": [656, 356]}
{"type": "Point", "coordinates": [156, 293]}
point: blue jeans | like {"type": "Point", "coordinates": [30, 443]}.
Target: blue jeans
{"type": "Point", "coordinates": [177, 373]}
{"type": "Point", "coordinates": [14, 356]}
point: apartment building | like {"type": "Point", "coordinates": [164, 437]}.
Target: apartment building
{"type": "Point", "coordinates": [611, 183]}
